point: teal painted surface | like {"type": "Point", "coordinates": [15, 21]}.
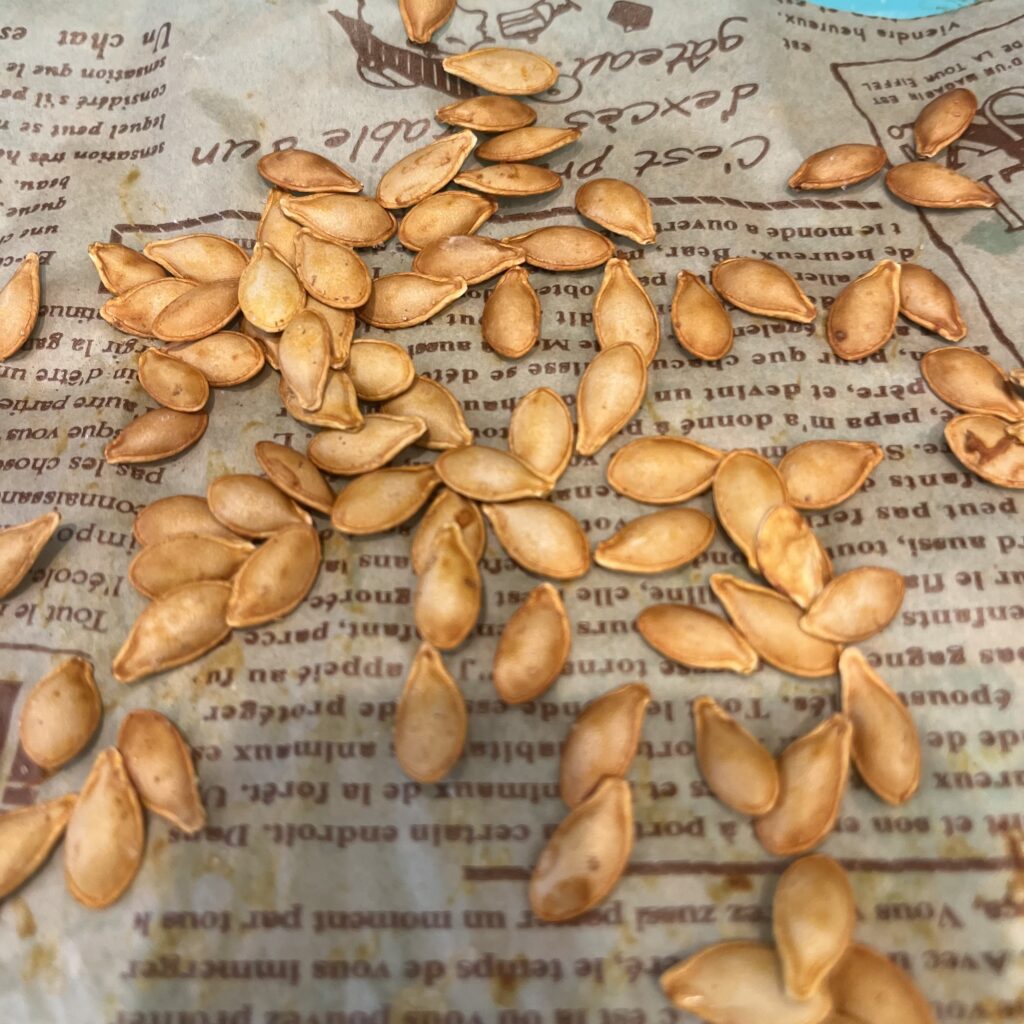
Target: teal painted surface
{"type": "Point", "coordinates": [898, 8]}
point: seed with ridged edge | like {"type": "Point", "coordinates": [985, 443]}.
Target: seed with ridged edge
{"type": "Point", "coordinates": [657, 542]}
{"type": "Point", "coordinates": [969, 381]}
{"type": "Point", "coordinates": [371, 446]}
{"type": "Point", "coordinates": [331, 272]}
{"type": "Point", "coordinates": [790, 556]}
{"type": "Point", "coordinates": [407, 299]}
{"type": "Point", "coordinates": [27, 836]}
{"type": "Point", "coordinates": [533, 647]}
{"type": "Point", "coordinates": [299, 170]}
{"type": "Point", "coordinates": [295, 475]}
{"type": "Point", "coordinates": [422, 18]}
{"type": "Point", "coordinates": [938, 187]}
{"type": "Point", "coordinates": [867, 986]}
{"type": "Point", "coordinates": [251, 506]}
{"type": "Point", "coordinates": [927, 300]}
{"type": "Point", "coordinates": [855, 605]}
{"type": "Point", "coordinates": [60, 715]}
{"type": "Point", "coordinates": [224, 359]}
{"type": "Point", "coordinates": [746, 488]}
{"type": "Point", "coordinates": [989, 447]}
{"type": "Point", "coordinates": [277, 230]}
{"type": "Point", "coordinates": [438, 408]}
{"type": "Point", "coordinates": [339, 409]}
{"type": "Point", "coordinates": [624, 312]}
{"type": "Point", "coordinates": [821, 474]}
{"type": "Point", "coordinates": [541, 537]}
{"type": "Point", "coordinates": [502, 70]}
{"type": "Point", "coordinates": [446, 604]}
{"type": "Point", "coordinates": [304, 355]}
{"type": "Point", "coordinates": [663, 470]}
{"type": "Point", "coordinates": [424, 171]}
{"type": "Point", "coordinates": [177, 516]}
{"type": "Point", "coordinates": [383, 499]}
{"type": "Point", "coordinates": [356, 221]}
{"type": "Point", "coordinates": [522, 144]}
{"type": "Point", "coordinates": [943, 121]}
{"type": "Point", "coordinates": [763, 288]}
{"type": "Point", "coordinates": [510, 323]}
{"type": "Point", "coordinates": [488, 114]}
{"type": "Point", "coordinates": [171, 382]}
{"type": "Point", "coordinates": [157, 434]}
{"type": "Point", "coordinates": [617, 206]}
{"type": "Point", "coordinates": [472, 257]}
{"type": "Point", "coordinates": [448, 507]}
{"type": "Point", "coordinates": [489, 474]}
{"type": "Point", "coordinates": [167, 564]}
{"type": "Point", "coordinates": [269, 293]}
{"type": "Point", "coordinates": [540, 433]}
{"type": "Point", "coordinates": [201, 258]}
{"type": "Point", "coordinates": [564, 247]}
{"type": "Point", "coordinates": [20, 546]}
{"type": "Point", "coordinates": [380, 369]}
{"type": "Point", "coordinates": [696, 638]}
{"type": "Point", "coordinates": [609, 394]}
{"type": "Point", "coordinates": [134, 311]}
{"type": "Point", "coordinates": [863, 316]}
{"type": "Point", "coordinates": [199, 312]}
{"type": "Point", "coordinates": [443, 214]}
{"type": "Point", "coordinates": [510, 179]}
{"type": "Point", "coordinates": [121, 268]}
{"type": "Point", "coordinates": [838, 166]}
{"type": "Point", "coordinates": [700, 321]}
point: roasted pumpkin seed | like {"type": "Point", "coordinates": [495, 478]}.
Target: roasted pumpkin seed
{"type": "Point", "coordinates": [371, 446]}
{"type": "Point", "coordinates": [422, 18]}
{"type": "Point", "coordinates": [120, 268]}
{"type": "Point", "coordinates": [564, 247]}
{"type": "Point", "coordinates": [868, 986]}
{"type": "Point", "coordinates": [269, 293]}
{"type": "Point", "coordinates": [502, 70]}
{"type": "Point", "coordinates": [540, 433]}
{"type": "Point", "coordinates": [989, 447]}
{"type": "Point", "coordinates": [821, 474]}
{"type": "Point", "coordinates": [489, 474]}
{"type": "Point", "coordinates": [618, 207]}
{"type": "Point", "coordinates": [380, 370]}
{"type": "Point", "coordinates": [19, 306]}
{"type": "Point", "coordinates": [199, 258]}
{"type": "Point", "coordinates": [932, 185]}
{"type": "Point", "coordinates": [855, 605]}
{"type": "Point", "coordinates": [790, 556]}
{"type": "Point", "coordinates": [404, 300]}
{"type": "Point", "coordinates": [296, 475]}
{"type": "Point", "coordinates": [133, 311]}
{"type": "Point", "coordinates": [339, 409]}
{"type": "Point", "coordinates": [839, 166]}
{"type": "Point", "coordinates": [383, 499]}
{"type": "Point", "coordinates": [20, 546]}
{"type": "Point", "coordinates": [332, 273]}
{"type": "Point", "coordinates": [299, 170]}
{"type": "Point", "coordinates": [444, 214]}
{"type": "Point", "coordinates": [663, 470]}
{"type": "Point", "coordinates": [438, 408]}
{"type": "Point", "coordinates": [27, 836]}
{"type": "Point", "coordinates": [863, 316]}
{"type": "Point", "coordinates": [510, 179]}
{"type": "Point", "coordinates": [171, 382]}
{"type": "Point", "coordinates": [157, 434]}
{"type": "Point", "coordinates": [522, 144]}
{"type": "Point", "coordinates": [696, 638]}
{"type": "Point", "coordinates": [541, 537]}
{"type": "Point", "coordinates": [342, 324]}
{"type": "Point", "coordinates": [533, 647]}
{"type": "Point", "coordinates": [943, 121]}
{"type": "Point", "coordinates": [356, 221]}
{"type": "Point", "coordinates": [447, 600]}
{"type": "Point", "coordinates": [473, 257]}
{"type": "Point", "coordinates": [969, 381]}
{"type": "Point", "coordinates": [448, 507]}
{"type": "Point", "coordinates": [927, 300]}
{"type": "Point", "coordinates": [167, 564]}
{"type": "Point", "coordinates": [609, 394]}
{"type": "Point", "coordinates": [424, 171]}
{"type": "Point", "coordinates": [304, 355]}
{"type": "Point", "coordinates": [763, 288]}
{"type": "Point", "coordinates": [657, 542]}
{"type": "Point", "coordinates": [177, 516]}
{"type": "Point", "coordinates": [224, 359]}
{"type": "Point", "coordinates": [277, 230]}
{"type": "Point", "coordinates": [61, 714]}
{"type": "Point", "coordinates": [746, 488]}
{"type": "Point", "coordinates": [488, 114]}
{"type": "Point", "coordinates": [510, 323]}
{"type": "Point", "coordinates": [251, 506]}
{"type": "Point", "coordinates": [700, 321]}
{"type": "Point", "coordinates": [199, 312]}
{"type": "Point", "coordinates": [624, 313]}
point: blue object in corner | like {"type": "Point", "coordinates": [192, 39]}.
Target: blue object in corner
{"type": "Point", "coordinates": [897, 8]}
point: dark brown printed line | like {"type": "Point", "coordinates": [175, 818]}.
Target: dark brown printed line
{"type": "Point", "coordinates": [43, 649]}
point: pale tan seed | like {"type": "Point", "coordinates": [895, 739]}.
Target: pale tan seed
{"type": "Point", "coordinates": [167, 564]}
{"type": "Point", "coordinates": [790, 556]}
{"type": "Point", "coordinates": [407, 299]}
{"type": "Point", "coordinates": [609, 394]}
{"type": "Point", "coordinates": [663, 470]}
{"type": "Point", "coordinates": [821, 474]}
{"type": "Point", "coordinates": [199, 312]}
{"type": "Point", "coordinates": [969, 381]}
{"type": "Point", "coordinates": [736, 982]}
{"type": "Point", "coordinates": [657, 542]}
{"type": "Point", "coordinates": [199, 258]}
{"type": "Point", "coordinates": [770, 623]}
{"type": "Point", "coordinates": [19, 306]}
{"type": "Point", "coordinates": [444, 214]}
{"type": "Point", "coordinates": [533, 647]}
{"type": "Point", "coordinates": [275, 578]}
{"type": "Point", "coordinates": [424, 171]}
{"type": "Point", "coordinates": [927, 300]}
{"type": "Point", "coordinates": [431, 720]}
{"type": "Point", "coordinates": [867, 986]}
{"type": "Point", "coordinates": [332, 273]}
{"type": "Point", "coordinates": [298, 170]}
{"type": "Point", "coordinates": [564, 247]}
{"type": "Point", "coordinates": [863, 316]}
{"type": "Point", "coordinates": [510, 180]}
{"type": "Point", "coordinates": [422, 18]}
{"type": "Point", "coordinates": [813, 916]}
{"type": "Point", "coordinates": [522, 144]}
{"type": "Point", "coordinates": [251, 506]}
{"type": "Point", "coordinates": [105, 834]}
{"type": "Point", "coordinates": [171, 382]}
{"type": "Point", "coordinates": [438, 408]}
{"type": "Point", "coordinates": [989, 447]}
{"type": "Point", "coordinates": [619, 207]}
{"type": "Point", "coordinates": [157, 434]}
{"type": "Point", "coordinates": [159, 763]}
{"type": "Point", "coordinates": [356, 221]}
{"type": "Point", "coordinates": [812, 776]}
{"type": "Point", "coordinates": [540, 433]}
{"type": "Point", "coordinates": [61, 714]}
{"type": "Point", "coordinates": [120, 268]}
{"type": "Point", "coordinates": [935, 186]}
{"type": "Point", "coordinates": [503, 70]}
{"type": "Point", "coordinates": [602, 741]}
{"type": "Point", "coordinates": [448, 507]}
{"type": "Point", "coordinates": [177, 516]}
{"type": "Point", "coordinates": [268, 341]}
{"type": "Point", "coordinates": [305, 358]}
{"type": "Point", "coordinates": [737, 768]}
{"type": "Point", "coordinates": [224, 359]}
{"type": "Point", "coordinates": [446, 605]}
{"type": "Point", "coordinates": [541, 537]}
{"type": "Point", "coordinates": [269, 293]}
{"type": "Point", "coordinates": [700, 321]}
{"type": "Point", "coordinates": [839, 166]}
{"type": "Point", "coordinates": [380, 370]}
{"type": "Point", "coordinates": [277, 230]}
{"type": "Point", "coordinates": [20, 546]}
{"type": "Point", "coordinates": [27, 836]}
{"type": "Point", "coordinates": [943, 121]}
{"type": "Point", "coordinates": [694, 637]}
{"type": "Point", "coordinates": [763, 288]}
{"type": "Point", "coordinates": [488, 114]}
{"type": "Point", "coordinates": [371, 446]}
{"type": "Point", "coordinates": [510, 323]}
{"type": "Point", "coordinates": [489, 474]}
{"type": "Point", "coordinates": [746, 488]}
{"type": "Point", "coordinates": [342, 324]}
{"type": "Point", "coordinates": [855, 605]}
{"type": "Point", "coordinates": [383, 499]}
{"type": "Point", "coordinates": [133, 311]}
{"type": "Point", "coordinates": [473, 257]}
{"type": "Point", "coordinates": [339, 409]}
{"type": "Point", "coordinates": [296, 475]}
{"type": "Point", "coordinates": [624, 312]}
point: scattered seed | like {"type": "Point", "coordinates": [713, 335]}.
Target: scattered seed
{"type": "Point", "coordinates": [540, 433]}
{"type": "Point", "coordinates": [422, 18]}
{"type": "Point", "coordinates": [763, 288]}
{"type": "Point", "coordinates": [305, 358]}
{"type": "Point", "coordinates": [19, 306]}
{"type": "Point", "coordinates": [253, 507]}
{"type": "Point", "coordinates": [269, 293]}
{"type": "Point", "coordinates": [533, 647]}
{"type": "Point", "coordinates": [989, 447]}
{"type": "Point", "coordinates": [120, 269]}
{"type": "Point", "coordinates": [943, 121]}
{"type": "Point", "coordinates": [342, 324]}
{"type": "Point", "coordinates": [201, 259]}
{"type": "Point", "coordinates": [133, 311]}
{"type": "Point", "coordinates": [27, 836]}
{"type": "Point", "coordinates": [510, 179]}
{"type": "Point", "coordinates": [447, 600]}
{"type": "Point", "coordinates": [624, 313]}
{"type": "Point", "coordinates": [356, 221]}
{"type": "Point", "coordinates": [339, 409]}
{"type": "Point", "coordinates": [522, 144]}
{"type": "Point", "coordinates": [564, 247]}
{"type": "Point", "coordinates": [657, 542]}
{"type": "Point", "coordinates": [619, 207]}
{"type": "Point", "coordinates": [488, 114]}
{"type": "Point", "coordinates": [171, 382]}
{"type": "Point", "coordinates": [927, 300]}
{"type": "Point", "coordinates": [448, 507]}
{"type": "Point", "coordinates": [167, 564]}
{"type": "Point", "coordinates": [404, 300]}
{"type": "Point", "coordinates": [855, 605]}
{"type": "Point", "coordinates": [969, 381]}
{"type": "Point", "coordinates": [371, 446]}
{"type": "Point", "coordinates": [296, 475]}
{"type": "Point", "coordinates": [790, 556]}
{"type": "Point", "coordinates": [20, 546]}
{"type": "Point", "coordinates": [424, 171]}
{"type": "Point", "coordinates": [199, 312]}
{"type": "Point", "coordinates": [695, 637]}
{"type": "Point", "coordinates": [157, 434]}
{"type": "Point", "coordinates": [224, 359]}
{"type": "Point", "coordinates": [473, 257]}
{"type": "Point", "coordinates": [298, 170]}
{"type": "Point", "coordinates": [663, 470]}
{"type": "Point", "coordinates": [332, 273]}
{"type": "Point", "coordinates": [609, 394]}
{"type": "Point", "coordinates": [700, 321]}
{"type": "Point", "coordinates": [277, 230]}
{"type": "Point", "coordinates": [489, 474]}
{"type": "Point", "coordinates": [444, 214]}
{"type": "Point", "coordinates": [746, 488]}
{"type": "Point", "coordinates": [540, 537]}
{"type": "Point", "coordinates": [383, 499]}
{"type": "Point", "coordinates": [504, 71]}
{"type": "Point", "coordinates": [510, 323]}
{"type": "Point", "coordinates": [61, 714]}
{"type": "Point", "coordinates": [177, 516]}
{"type": "Point", "coordinates": [839, 166]}
{"type": "Point", "coordinates": [868, 986]}
{"type": "Point", "coordinates": [821, 474]}
{"type": "Point", "coordinates": [863, 316]}
{"type": "Point", "coordinates": [932, 185]}
{"type": "Point", "coordinates": [438, 408]}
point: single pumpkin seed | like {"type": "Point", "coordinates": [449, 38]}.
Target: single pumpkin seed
{"type": "Point", "coordinates": [943, 121]}
{"type": "Point", "coordinates": [167, 564]}
{"type": "Point", "coordinates": [663, 470]}
{"type": "Point", "coordinates": [770, 623]}
{"type": "Point", "coordinates": [356, 221]}
{"type": "Point", "coordinates": [448, 507]}
{"type": "Point", "coordinates": [624, 313]}
{"type": "Point", "coordinates": [444, 214]}
{"type": "Point", "coordinates": [522, 144]}
{"type": "Point", "coordinates": [178, 516]}
{"type": "Point", "coordinates": [763, 288]}
{"type": "Point", "coordinates": [20, 546]}
{"type": "Point", "coordinates": [504, 71]}
{"type": "Point", "coordinates": [863, 316]}
{"type": "Point", "coordinates": [422, 18]}
{"type": "Point", "coordinates": [342, 324]}
{"type": "Point", "coordinates": [564, 247]}
{"type": "Point", "coordinates": [224, 359]}
{"type": "Point", "coordinates": [133, 311]}
{"type": "Point", "coordinates": [885, 746]}
{"type": "Point", "coordinates": [540, 433]}
{"type": "Point", "coordinates": [969, 381]}
{"type": "Point", "coordinates": [371, 446]}
{"type": "Point", "coordinates": [159, 763]}
{"type": "Point", "coordinates": [171, 382]}
{"type": "Point", "coordinates": [298, 170]}
{"type": "Point", "coordinates": [989, 447]}
{"type": "Point", "coordinates": [174, 629]}
{"type": "Point", "coordinates": [602, 741]}
{"type": "Point", "coordinates": [431, 720]}
{"type": "Point", "coordinates": [657, 542]}
{"type": "Point", "coordinates": [438, 408]}
{"type": "Point", "coordinates": [790, 556]}
{"type": "Point", "coordinates": [27, 836]}
{"type": "Point", "coordinates": [332, 273]}
{"type": "Point", "coordinates": [19, 306]}
{"type": "Point", "coordinates": [424, 171]}
{"type": "Point", "coordinates": [157, 434]}
{"type": "Point", "coordinates": [105, 834]}
{"type": "Point", "coordinates": [737, 768]}
{"type": "Point", "coordinates": [60, 715]}
{"type": "Point", "coordinates": [694, 637]}
{"type": "Point", "coordinates": [380, 370]}
{"type": "Point", "coordinates": [269, 293]}
{"type": "Point", "coordinates": [473, 257]}
{"type": "Point", "coordinates": [812, 776]}
{"type": "Point", "coordinates": [120, 268]}
{"type": "Point", "coordinates": [277, 230]}
{"type": "Point", "coordinates": [199, 258]}
{"type": "Point", "coordinates": [447, 600]}
{"type": "Point", "coordinates": [533, 647]}
{"type": "Point", "coordinates": [821, 474]}
{"type": "Point", "coordinates": [489, 474]}
{"type": "Point", "coordinates": [404, 300]}
{"type": "Point", "coordinates": [927, 300]}
{"type": "Point", "coordinates": [839, 166]}
{"type": "Point", "coordinates": [305, 358]}
{"type": "Point", "coordinates": [383, 499]}
{"type": "Point", "coordinates": [252, 506]}
{"type": "Point", "coordinates": [700, 321]}
{"type": "Point", "coordinates": [268, 341]}
{"type": "Point", "coordinates": [938, 187]}
{"type": "Point", "coordinates": [868, 986]}
{"type": "Point", "coordinates": [609, 394]}
{"type": "Point", "coordinates": [339, 409]}
{"type": "Point", "coordinates": [510, 323]}
{"type": "Point", "coordinates": [746, 488]}
{"type": "Point", "coordinates": [199, 312]}
{"type": "Point", "coordinates": [540, 537]}
{"type": "Point", "coordinates": [296, 475]}
{"type": "Point", "coordinates": [510, 180]}
{"type": "Point", "coordinates": [488, 114]}
{"type": "Point", "coordinates": [855, 605]}
{"type": "Point", "coordinates": [618, 207]}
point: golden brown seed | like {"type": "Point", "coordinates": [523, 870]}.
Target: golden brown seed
{"type": "Point", "coordinates": [277, 230]}
{"type": "Point", "coordinates": [863, 316]}
{"type": "Point", "coordinates": [159, 763]}
{"type": "Point", "coordinates": [700, 321]}
{"type": "Point", "coordinates": [855, 605]}
{"type": "Point", "coordinates": [504, 71]}
{"type": "Point", "coordinates": [20, 546]}
{"type": "Point", "coordinates": [198, 258]}
{"type": "Point", "coordinates": [737, 768]}
{"type": "Point", "coordinates": [298, 170]}
{"type": "Point", "coordinates": [609, 394]}
{"type": "Point", "coordinates": [790, 556]}
{"type": "Point", "coordinates": [275, 578]}
{"type": "Point", "coordinates": [657, 542]}
{"type": "Point", "coordinates": [167, 564]}
{"type": "Point", "coordinates": [663, 470]}
{"type": "Point", "coordinates": [251, 506]}
{"type": "Point", "coordinates": [380, 370]}
{"type": "Point", "coordinates": [199, 312]}
{"type": "Point", "coordinates": [540, 433]}
{"type": "Point", "coordinates": [524, 144]}
{"type": "Point", "coordinates": [26, 838]}
{"type": "Point", "coordinates": [383, 499]}
{"type": "Point", "coordinates": [932, 185]}
{"type": "Point", "coordinates": [927, 300]}
{"type": "Point", "coordinates": [431, 720]}
{"type": "Point", "coordinates": [473, 257]}
{"type": "Point", "coordinates": [820, 474]}
{"type": "Point", "coordinates": [771, 625]}
{"type": "Point", "coordinates": [989, 447]}
{"type": "Point", "coordinates": [422, 18]}
{"type": "Point", "coordinates": [342, 324]}
{"type": "Point", "coordinates": [510, 180]}
{"type": "Point", "coordinates": [268, 341]}
{"type": "Point", "coordinates": [839, 166]}
{"type": "Point", "coordinates": [371, 446]}
{"type": "Point", "coordinates": [356, 221]}
{"type": "Point", "coordinates": [618, 207]}
{"type": "Point", "coordinates": [868, 986]}
{"type": "Point", "coordinates": [695, 637]}
{"type": "Point", "coordinates": [295, 475]}
{"type": "Point", "coordinates": [177, 516]}
{"type": "Point", "coordinates": [510, 323]}
{"type": "Point", "coordinates": [424, 171]}
{"type": "Point", "coordinates": [60, 714]}
{"type": "Point", "coordinates": [269, 293]}
{"type": "Point", "coordinates": [885, 747]}
{"type": "Point", "coordinates": [121, 268]}
{"type": "Point", "coordinates": [969, 381]}
{"type": "Point", "coordinates": [602, 741]}
{"type": "Point", "coordinates": [489, 474]}
{"type": "Point", "coordinates": [305, 358]}
{"type": "Point", "coordinates": [447, 601]}
{"type": "Point", "coordinates": [812, 776]}
{"type": "Point", "coordinates": [19, 306]}
{"type": "Point", "coordinates": [171, 382]}
{"type": "Point", "coordinates": [541, 537]}
{"type": "Point", "coordinates": [448, 507]}
{"type": "Point", "coordinates": [224, 359]}
{"type": "Point", "coordinates": [763, 288]}
{"type": "Point", "coordinates": [444, 214]}
{"type": "Point", "coordinates": [438, 408]}
{"type": "Point", "coordinates": [404, 300]}
{"type": "Point", "coordinates": [585, 857]}
{"type": "Point", "coordinates": [134, 311]}
{"type": "Point", "coordinates": [157, 434]}
{"type": "Point", "coordinates": [332, 273]}
{"type": "Point", "coordinates": [339, 409]}
{"type": "Point", "coordinates": [564, 247]}
{"type": "Point", "coordinates": [943, 121]}
{"type": "Point", "coordinates": [624, 313]}
{"type": "Point", "coordinates": [105, 834]}
{"type": "Point", "coordinates": [533, 647]}
{"type": "Point", "coordinates": [746, 488]}
{"type": "Point", "coordinates": [488, 114]}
